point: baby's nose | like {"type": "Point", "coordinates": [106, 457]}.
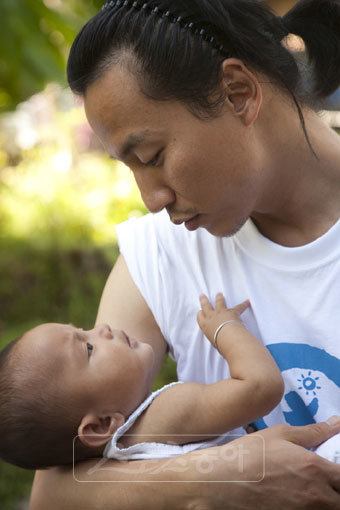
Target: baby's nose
{"type": "Point", "coordinates": [105, 331]}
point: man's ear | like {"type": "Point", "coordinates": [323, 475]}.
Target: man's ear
{"type": "Point", "coordinates": [242, 89]}
{"type": "Point", "coordinates": [95, 431]}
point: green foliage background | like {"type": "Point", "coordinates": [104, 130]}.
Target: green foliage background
{"type": "Point", "coordinates": [35, 37]}
{"type": "Point", "coordinates": [60, 195]}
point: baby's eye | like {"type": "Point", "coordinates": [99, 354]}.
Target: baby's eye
{"type": "Point", "coordinates": [89, 349]}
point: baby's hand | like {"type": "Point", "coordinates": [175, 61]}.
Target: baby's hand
{"type": "Point", "coordinates": [209, 319]}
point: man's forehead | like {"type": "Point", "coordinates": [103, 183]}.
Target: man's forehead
{"type": "Point", "coordinates": [115, 106]}
{"type": "Point", "coordinates": [115, 91]}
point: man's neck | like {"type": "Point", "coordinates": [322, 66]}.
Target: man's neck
{"type": "Point", "coordinates": [303, 200]}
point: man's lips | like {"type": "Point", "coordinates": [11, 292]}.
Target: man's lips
{"type": "Point", "coordinates": [191, 223]}
{"type": "Point", "coordinates": [179, 221]}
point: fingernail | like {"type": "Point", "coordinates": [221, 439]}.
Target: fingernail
{"type": "Point", "coordinates": [333, 420]}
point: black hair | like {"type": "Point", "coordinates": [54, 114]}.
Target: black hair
{"type": "Point", "coordinates": [37, 428]}
{"type": "Point", "coordinates": [317, 22]}
{"type": "Point", "coordinates": [175, 47]}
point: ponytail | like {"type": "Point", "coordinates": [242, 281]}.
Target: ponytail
{"type": "Point", "coordinates": [317, 22]}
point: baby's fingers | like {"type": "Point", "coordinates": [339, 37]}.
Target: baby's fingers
{"type": "Point", "coordinates": [205, 303]}
{"type": "Point", "coordinates": [242, 307]}
{"type": "Point", "coordinates": [220, 301]}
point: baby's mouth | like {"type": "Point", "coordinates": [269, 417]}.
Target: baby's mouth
{"type": "Point", "coordinates": [127, 338]}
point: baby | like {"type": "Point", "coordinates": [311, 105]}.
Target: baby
{"type": "Point", "coordinates": [58, 382]}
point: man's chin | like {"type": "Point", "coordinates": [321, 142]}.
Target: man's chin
{"type": "Point", "coordinates": [223, 230]}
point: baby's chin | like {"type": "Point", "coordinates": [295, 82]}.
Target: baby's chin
{"type": "Point", "coordinates": [147, 348]}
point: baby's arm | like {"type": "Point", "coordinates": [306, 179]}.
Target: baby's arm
{"type": "Point", "coordinates": [191, 411]}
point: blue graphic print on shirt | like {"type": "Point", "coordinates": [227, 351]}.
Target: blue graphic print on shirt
{"type": "Point", "coordinates": [308, 359]}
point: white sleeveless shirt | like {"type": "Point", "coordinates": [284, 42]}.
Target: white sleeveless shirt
{"type": "Point", "coordinates": [294, 295]}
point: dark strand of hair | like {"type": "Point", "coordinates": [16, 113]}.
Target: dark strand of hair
{"type": "Point", "coordinates": [171, 62]}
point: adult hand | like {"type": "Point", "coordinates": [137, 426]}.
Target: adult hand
{"type": "Point", "coordinates": [294, 478]}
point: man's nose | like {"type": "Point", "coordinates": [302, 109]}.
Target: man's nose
{"type": "Point", "coordinates": [156, 194]}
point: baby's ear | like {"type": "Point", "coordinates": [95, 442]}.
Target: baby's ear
{"type": "Point", "coordinates": [95, 431]}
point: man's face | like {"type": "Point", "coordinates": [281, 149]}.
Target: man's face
{"type": "Point", "coordinates": [204, 172]}
{"type": "Point", "coordinates": [101, 369]}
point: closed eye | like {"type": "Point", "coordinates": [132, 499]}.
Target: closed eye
{"type": "Point", "coordinates": [154, 161]}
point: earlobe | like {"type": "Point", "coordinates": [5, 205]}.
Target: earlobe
{"type": "Point", "coordinates": [242, 89]}
{"type": "Point", "coordinates": [95, 431]}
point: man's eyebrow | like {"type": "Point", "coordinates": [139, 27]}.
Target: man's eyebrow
{"type": "Point", "coordinates": [131, 143]}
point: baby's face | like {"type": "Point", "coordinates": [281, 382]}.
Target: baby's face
{"type": "Point", "coordinates": [102, 368]}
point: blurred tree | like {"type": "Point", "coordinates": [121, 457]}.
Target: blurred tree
{"type": "Point", "coordinates": [35, 36]}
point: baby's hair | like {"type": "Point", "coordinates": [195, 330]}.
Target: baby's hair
{"type": "Point", "coordinates": [36, 426]}
{"type": "Point", "coordinates": [175, 48]}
